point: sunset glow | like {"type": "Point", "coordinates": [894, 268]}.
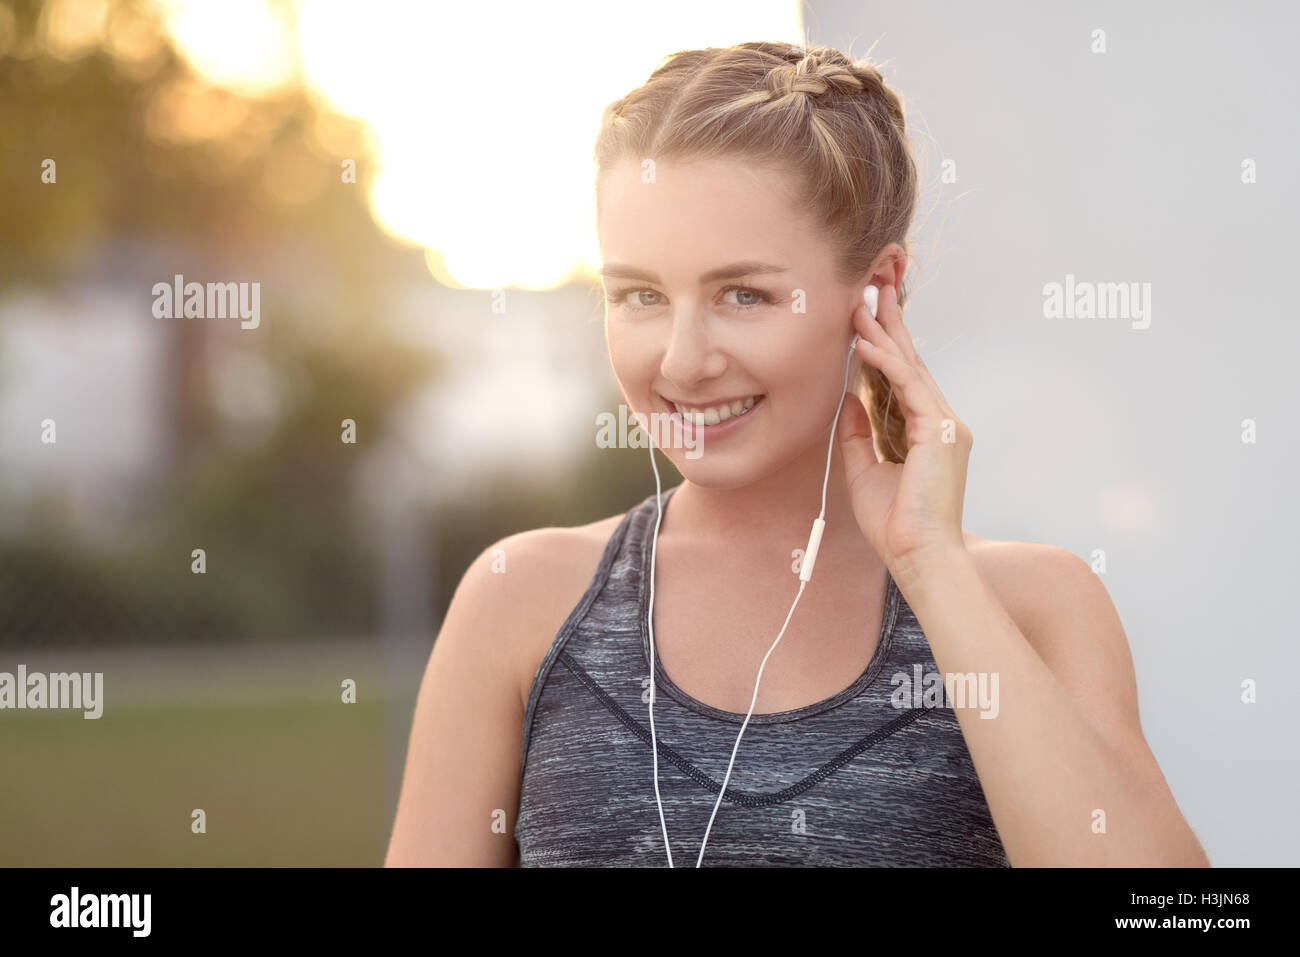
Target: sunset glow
{"type": "Point", "coordinates": [483, 152]}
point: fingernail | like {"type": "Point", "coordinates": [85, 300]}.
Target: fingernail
{"type": "Point", "coordinates": [871, 296]}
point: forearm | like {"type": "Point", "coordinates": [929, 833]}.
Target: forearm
{"type": "Point", "coordinates": [1045, 768]}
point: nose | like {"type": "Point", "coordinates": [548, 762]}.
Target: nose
{"type": "Point", "coordinates": [691, 356]}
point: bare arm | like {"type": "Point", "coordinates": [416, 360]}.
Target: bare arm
{"type": "Point", "coordinates": [1066, 746]}
{"type": "Point", "coordinates": [460, 789]}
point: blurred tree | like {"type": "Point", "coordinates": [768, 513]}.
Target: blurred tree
{"type": "Point", "coordinates": [158, 173]}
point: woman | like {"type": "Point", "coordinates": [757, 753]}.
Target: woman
{"type": "Point", "coordinates": [751, 203]}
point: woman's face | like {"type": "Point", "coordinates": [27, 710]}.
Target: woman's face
{"type": "Point", "coordinates": [720, 293]}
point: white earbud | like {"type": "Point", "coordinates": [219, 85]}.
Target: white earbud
{"type": "Point", "coordinates": [805, 575]}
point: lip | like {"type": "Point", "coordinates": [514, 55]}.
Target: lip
{"type": "Point", "coordinates": [726, 427]}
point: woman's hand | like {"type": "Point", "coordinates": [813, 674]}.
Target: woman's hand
{"type": "Point", "coordinates": [913, 510]}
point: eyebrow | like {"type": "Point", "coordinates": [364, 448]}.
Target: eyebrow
{"type": "Point", "coordinates": [748, 267]}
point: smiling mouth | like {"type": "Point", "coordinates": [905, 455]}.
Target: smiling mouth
{"type": "Point", "coordinates": [717, 413]}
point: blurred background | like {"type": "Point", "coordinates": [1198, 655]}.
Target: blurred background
{"type": "Point", "coordinates": [410, 186]}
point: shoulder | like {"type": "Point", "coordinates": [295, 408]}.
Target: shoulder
{"type": "Point", "coordinates": [466, 732]}
{"type": "Point", "coordinates": [1032, 579]}
{"type": "Point", "coordinates": [1066, 614]}
{"type": "Point", "coordinates": [1045, 587]}
{"type": "Point", "coordinates": [525, 585]}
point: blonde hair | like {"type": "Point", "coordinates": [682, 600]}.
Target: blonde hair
{"type": "Point", "coordinates": [812, 111]}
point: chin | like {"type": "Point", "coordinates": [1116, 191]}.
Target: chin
{"type": "Point", "coordinates": [733, 467]}
{"type": "Point", "coordinates": [725, 468]}
{"type": "Point", "coordinates": [717, 475]}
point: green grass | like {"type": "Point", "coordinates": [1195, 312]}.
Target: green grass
{"type": "Point", "coordinates": [299, 784]}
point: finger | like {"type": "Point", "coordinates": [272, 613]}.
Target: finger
{"type": "Point", "coordinates": [871, 330]}
{"type": "Point", "coordinates": [890, 317]}
{"type": "Point", "coordinates": [914, 394]}
{"type": "Point", "coordinates": [891, 320]}
{"type": "Point", "coordinates": [856, 442]}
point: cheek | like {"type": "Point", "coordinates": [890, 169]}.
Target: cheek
{"type": "Point", "coordinates": [632, 362]}
{"type": "Point", "coordinates": [804, 384]}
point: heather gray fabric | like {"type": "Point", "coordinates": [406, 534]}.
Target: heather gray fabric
{"type": "Point", "coordinates": [851, 781]}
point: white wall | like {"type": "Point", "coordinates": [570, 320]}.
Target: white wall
{"type": "Point", "coordinates": [1090, 434]}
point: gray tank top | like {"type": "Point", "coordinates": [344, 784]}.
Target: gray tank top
{"type": "Point", "coordinates": [850, 781]}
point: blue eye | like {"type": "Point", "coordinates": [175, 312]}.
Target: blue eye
{"type": "Point", "coordinates": [619, 297]}
{"type": "Point", "coordinates": [760, 298]}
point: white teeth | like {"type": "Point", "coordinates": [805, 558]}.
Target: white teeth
{"type": "Point", "coordinates": [715, 414]}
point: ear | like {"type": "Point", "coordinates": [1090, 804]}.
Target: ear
{"type": "Point", "coordinates": [888, 267]}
